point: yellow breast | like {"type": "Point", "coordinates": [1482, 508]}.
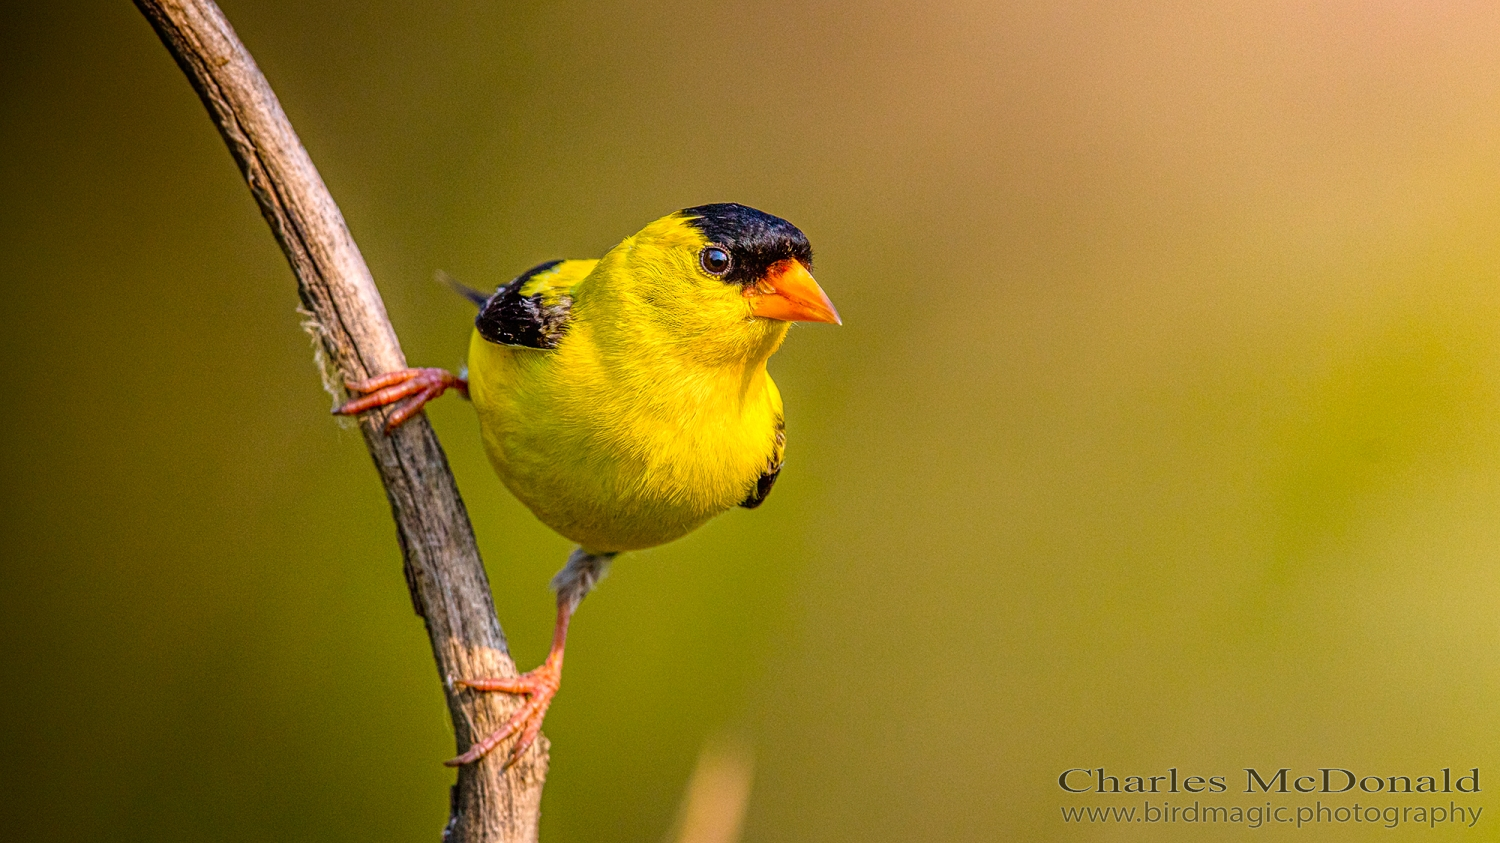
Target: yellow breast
{"type": "Point", "coordinates": [621, 451]}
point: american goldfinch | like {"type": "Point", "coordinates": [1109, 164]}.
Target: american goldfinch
{"type": "Point", "coordinates": [625, 400]}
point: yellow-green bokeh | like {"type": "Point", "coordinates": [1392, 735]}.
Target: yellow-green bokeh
{"type": "Point", "coordinates": [1161, 432]}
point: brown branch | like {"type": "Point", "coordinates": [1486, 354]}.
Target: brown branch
{"type": "Point", "coordinates": [443, 570]}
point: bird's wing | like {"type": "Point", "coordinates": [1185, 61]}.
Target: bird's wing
{"type": "Point", "coordinates": [532, 310]}
{"type": "Point", "coordinates": [768, 476]}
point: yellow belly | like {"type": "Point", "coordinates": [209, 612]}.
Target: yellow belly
{"type": "Point", "coordinates": [620, 457]}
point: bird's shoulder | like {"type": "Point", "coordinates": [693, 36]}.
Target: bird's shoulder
{"type": "Point", "coordinates": [532, 311]}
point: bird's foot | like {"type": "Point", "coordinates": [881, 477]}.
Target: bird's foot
{"type": "Point", "coordinates": [540, 685]}
{"type": "Point", "coordinates": [422, 385]}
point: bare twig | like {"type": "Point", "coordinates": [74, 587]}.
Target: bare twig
{"type": "Point", "coordinates": [443, 570]}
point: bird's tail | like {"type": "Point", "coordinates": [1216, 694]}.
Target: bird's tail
{"type": "Point", "coordinates": [473, 295]}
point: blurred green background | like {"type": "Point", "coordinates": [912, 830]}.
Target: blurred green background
{"type": "Point", "coordinates": [1161, 431]}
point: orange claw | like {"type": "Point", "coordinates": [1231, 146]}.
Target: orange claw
{"type": "Point", "coordinates": [541, 685]}
{"type": "Point", "coordinates": [382, 390]}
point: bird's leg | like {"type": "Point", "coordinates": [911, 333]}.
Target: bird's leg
{"type": "Point", "coordinates": [422, 385]}
{"type": "Point", "coordinates": [572, 583]}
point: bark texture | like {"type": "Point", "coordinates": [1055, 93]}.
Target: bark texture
{"type": "Point", "coordinates": [448, 585]}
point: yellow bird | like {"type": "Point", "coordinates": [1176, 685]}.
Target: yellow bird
{"type": "Point", "coordinates": [625, 400]}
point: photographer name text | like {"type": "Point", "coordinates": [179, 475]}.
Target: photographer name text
{"type": "Point", "coordinates": [1281, 780]}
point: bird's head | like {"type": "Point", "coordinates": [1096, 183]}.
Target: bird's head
{"type": "Point", "coordinates": [724, 281]}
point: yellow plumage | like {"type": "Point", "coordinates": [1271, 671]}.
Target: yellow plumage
{"type": "Point", "coordinates": [644, 421]}
{"type": "Point", "coordinates": [625, 401]}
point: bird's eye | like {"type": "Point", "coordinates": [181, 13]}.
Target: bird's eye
{"type": "Point", "coordinates": [714, 259]}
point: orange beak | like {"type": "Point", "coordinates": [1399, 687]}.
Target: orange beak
{"type": "Point", "coordinates": [789, 293]}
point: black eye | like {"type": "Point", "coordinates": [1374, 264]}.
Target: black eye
{"type": "Point", "coordinates": [714, 259]}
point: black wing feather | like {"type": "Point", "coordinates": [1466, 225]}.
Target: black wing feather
{"type": "Point", "coordinates": [509, 318]}
{"type": "Point", "coordinates": [768, 477]}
